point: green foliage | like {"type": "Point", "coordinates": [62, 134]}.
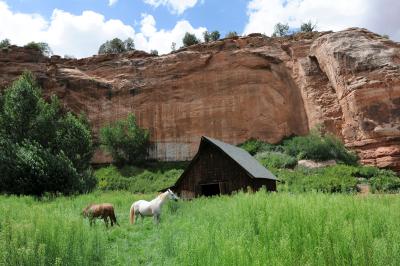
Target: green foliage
{"type": "Point", "coordinates": [254, 146]}
{"type": "Point", "coordinates": [244, 229]}
{"type": "Point", "coordinates": [42, 149]}
{"type": "Point", "coordinates": [272, 159]}
{"type": "Point", "coordinates": [116, 46]}
{"type": "Point", "coordinates": [190, 39]}
{"type": "Point", "coordinates": [5, 43]}
{"type": "Point", "coordinates": [280, 30]}
{"type": "Point", "coordinates": [231, 34]}
{"type": "Point", "coordinates": [154, 52]}
{"type": "Point", "coordinates": [173, 46]}
{"type": "Point", "coordinates": [135, 179]}
{"type": "Point", "coordinates": [125, 141]}
{"type": "Point", "coordinates": [316, 146]}
{"type": "Point", "coordinates": [385, 181]}
{"type": "Point", "coordinates": [42, 47]}
{"type": "Point", "coordinates": [332, 179]}
{"type": "Point", "coordinates": [211, 36]}
{"type": "Point", "coordinates": [308, 26]}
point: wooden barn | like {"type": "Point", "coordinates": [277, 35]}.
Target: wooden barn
{"type": "Point", "coordinates": [221, 168]}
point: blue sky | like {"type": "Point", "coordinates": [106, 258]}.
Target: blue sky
{"type": "Point", "coordinates": [78, 27]}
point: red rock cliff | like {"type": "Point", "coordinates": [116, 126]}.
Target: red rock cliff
{"type": "Point", "coordinates": [239, 88]}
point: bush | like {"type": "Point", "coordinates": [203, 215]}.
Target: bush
{"type": "Point", "coordinates": [320, 148]}
{"type": "Point", "coordinates": [42, 47]}
{"type": "Point", "coordinates": [116, 46]}
{"type": "Point", "coordinates": [125, 141]}
{"type": "Point", "coordinates": [385, 181]}
{"type": "Point", "coordinates": [308, 26]}
{"type": "Point", "coordinates": [231, 34]}
{"type": "Point", "coordinates": [5, 43]}
{"type": "Point", "coordinates": [280, 30]}
{"type": "Point", "coordinates": [333, 179]}
{"type": "Point", "coordinates": [135, 179]}
{"type": "Point", "coordinates": [276, 160]}
{"type": "Point", "coordinates": [211, 36]}
{"type": "Point", "coordinates": [254, 146]}
{"type": "Point", "coordinates": [42, 149]}
{"type": "Point", "coordinates": [190, 39]}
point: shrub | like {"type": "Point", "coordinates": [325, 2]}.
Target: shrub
{"type": "Point", "coordinates": [276, 160]}
{"type": "Point", "coordinates": [135, 179]}
{"type": "Point", "coordinates": [231, 34]}
{"type": "Point", "coordinates": [190, 39]}
{"type": "Point", "coordinates": [42, 148]}
{"type": "Point", "coordinates": [320, 148]}
{"type": "Point", "coordinates": [154, 52]}
{"type": "Point", "coordinates": [308, 26]}
{"type": "Point", "coordinates": [385, 181]}
{"type": "Point", "coordinates": [116, 46]}
{"type": "Point", "coordinates": [5, 43]}
{"type": "Point", "coordinates": [125, 141]}
{"type": "Point", "coordinates": [280, 30]}
{"type": "Point", "coordinates": [42, 47]}
{"type": "Point", "coordinates": [333, 179]}
{"type": "Point", "coordinates": [211, 36]}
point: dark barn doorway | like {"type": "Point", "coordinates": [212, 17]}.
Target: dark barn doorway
{"type": "Point", "coordinates": [210, 190]}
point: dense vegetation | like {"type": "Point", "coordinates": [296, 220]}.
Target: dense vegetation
{"type": "Point", "coordinates": [116, 46]}
{"type": "Point", "coordinates": [139, 180]}
{"type": "Point", "coordinates": [345, 177]}
{"type": "Point", "coordinates": [246, 229]}
{"type": "Point", "coordinates": [42, 47]}
{"type": "Point", "coordinates": [125, 141]}
{"type": "Point", "coordinates": [42, 148]}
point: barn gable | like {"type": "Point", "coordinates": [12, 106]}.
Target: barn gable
{"type": "Point", "coordinates": [221, 168]}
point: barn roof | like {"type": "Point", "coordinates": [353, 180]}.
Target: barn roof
{"type": "Point", "coordinates": [243, 158]}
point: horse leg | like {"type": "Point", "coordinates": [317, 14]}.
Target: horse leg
{"type": "Point", "coordinates": [156, 218]}
{"type": "Point", "coordinates": [137, 215]}
{"type": "Point", "coordinates": [106, 221]}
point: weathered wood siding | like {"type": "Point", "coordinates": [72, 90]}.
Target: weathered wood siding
{"type": "Point", "coordinates": [211, 165]}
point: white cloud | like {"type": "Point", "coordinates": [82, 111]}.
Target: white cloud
{"type": "Point", "coordinates": [176, 6]}
{"type": "Point", "coordinates": [112, 2]}
{"type": "Point", "coordinates": [81, 35]}
{"type": "Point", "coordinates": [150, 38]}
{"type": "Point", "coordinates": [380, 16]}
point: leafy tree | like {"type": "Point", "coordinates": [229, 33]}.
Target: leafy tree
{"type": "Point", "coordinates": [116, 46]}
{"type": "Point", "coordinates": [308, 26]}
{"type": "Point", "coordinates": [69, 56]}
{"type": "Point", "coordinates": [129, 44]}
{"type": "Point", "coordinates": [215, 35]}
{"type": "Point", "coordinates": [206, 36]}
{"type": "Point", "coordinates": [190, 39]}
{"type": "Point", "coordinates": [42, 148]}
{"type": "Point", "coordinates": [125, 141]}
{"type": "Point", "coordinates": [231, 34]}
{"type": "Point", "coordinates": [154, 52]}
{"type": "Point", "coordinates": [42, 47]}
{"type": "Point", "coordinates": [211, 36]}
{"type": "Point", "coordinates": [281, 30]}
{"type": "Point", "coordinates": [5, 43]}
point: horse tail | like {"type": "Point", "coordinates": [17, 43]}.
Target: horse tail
{"type": "Point", "coordinates": [132, 214]}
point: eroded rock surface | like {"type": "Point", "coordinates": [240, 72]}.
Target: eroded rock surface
{"type": "Point", "coordinates": [238, 88]}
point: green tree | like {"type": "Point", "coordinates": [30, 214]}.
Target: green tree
{"type": "Point", "coordinates": [125, 141]}
{"type": "Point", "coordinates": [129, 44]}
{"type": "Point", "coordinates": [42, 47]}
{"type": "Point", "coordinates": [308, 26]}
{"type": "Point", "coordinates": [281, 30]}
{"type": "Point", "coordinates": [231, 34]}
{"type": "Point", "coordinates": [173, 46]}
{"type": "Point", "coordinates": [190, 39]}
{"type": "Point", "coordinates": [154, 52]}
{"type": "Point", "coordinates": [5, 43]}
{"type": "Point", "coordinates": [116, 46]}
{"type": "Point", "coordinates": [206, 36]}
{"type": "Point", "coordinates": [42, 148]}
{"type": "Point", "coordinates": [215, 35]}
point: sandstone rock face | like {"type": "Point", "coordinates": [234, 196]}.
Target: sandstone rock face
{"type": "Point", "coordinates": [236, 89]}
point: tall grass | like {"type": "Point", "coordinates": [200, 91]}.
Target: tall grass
{"type": "Point", "coordinates": [245, 229]}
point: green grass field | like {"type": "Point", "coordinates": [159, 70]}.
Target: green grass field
{"type": "Point", "coordinates": [245, 229]}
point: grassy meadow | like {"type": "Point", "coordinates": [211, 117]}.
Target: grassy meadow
{"type": "Point", "coordinates": [244, 229]}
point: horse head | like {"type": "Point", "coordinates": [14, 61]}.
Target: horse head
{"type": "Point", "coordinates": [172, 195]}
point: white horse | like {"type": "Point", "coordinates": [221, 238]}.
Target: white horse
{"type": "Point", "coordinates": [150, 208]}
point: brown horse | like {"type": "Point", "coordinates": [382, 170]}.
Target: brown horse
{"type": "Point", "coordinates": [100, 211]}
